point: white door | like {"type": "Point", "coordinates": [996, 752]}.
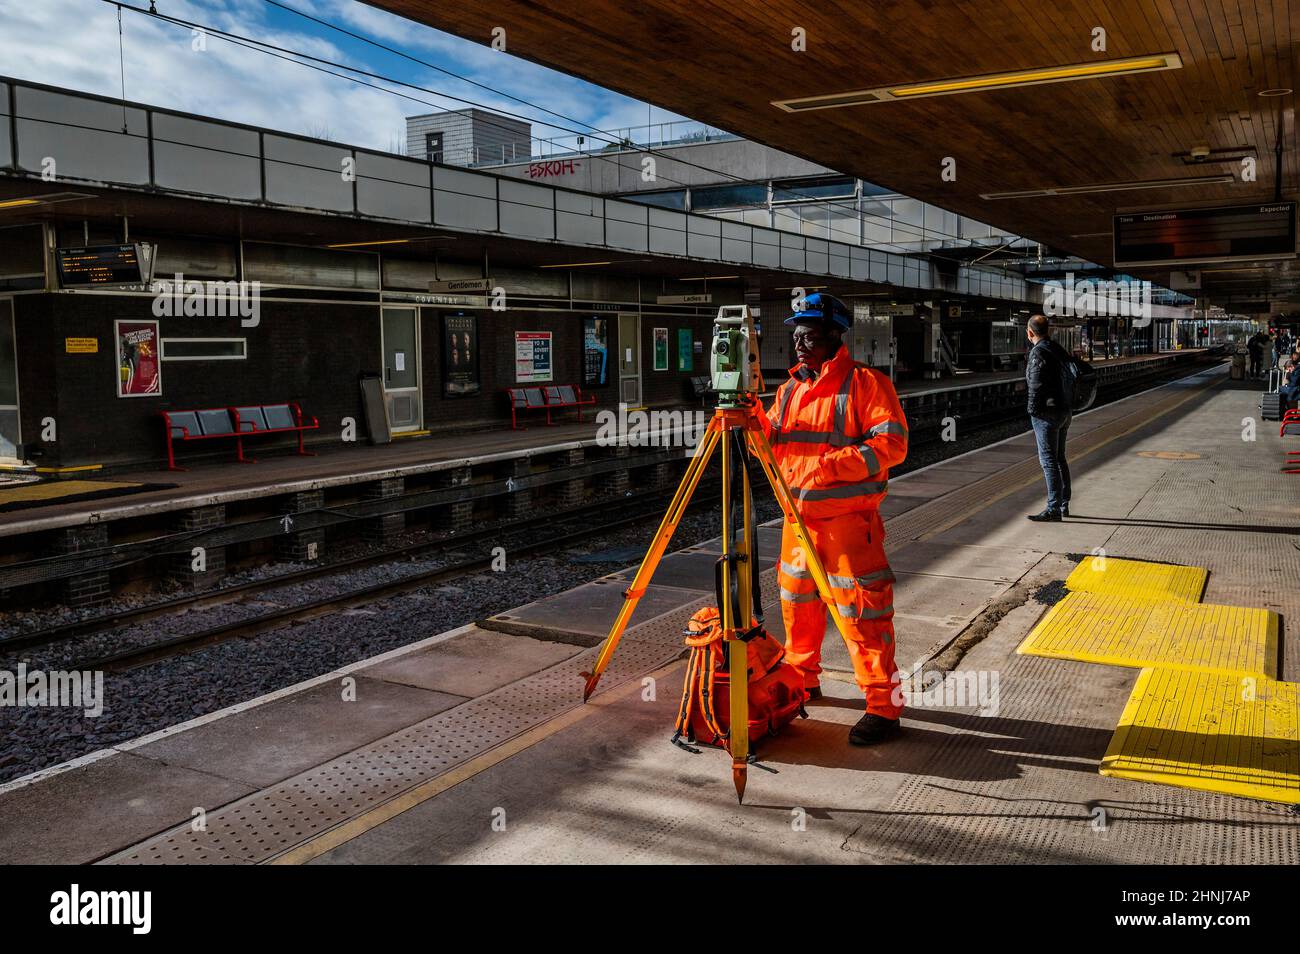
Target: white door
{"type": "Point", "coordinates": [401, 344]}
{"type": "Point", "coordinates": [629, 360]}
{"type": "Point", "coordinates": [10, 437]}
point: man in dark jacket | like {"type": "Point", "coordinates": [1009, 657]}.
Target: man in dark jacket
{"type": "Point", "coordinates": [1050, 413]}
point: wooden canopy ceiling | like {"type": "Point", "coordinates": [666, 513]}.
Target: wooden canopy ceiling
{"type": "Point", "coordinates": [724, 62]}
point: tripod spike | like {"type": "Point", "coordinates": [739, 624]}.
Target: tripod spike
{"type": "Point", "coordinates": [739, 771]}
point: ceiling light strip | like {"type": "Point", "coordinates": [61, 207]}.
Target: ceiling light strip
{"type": "Point", "coordinates": [968, 84]}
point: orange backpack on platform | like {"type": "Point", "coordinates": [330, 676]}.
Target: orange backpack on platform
{"type": "Point", "coordinates": [776, 690]}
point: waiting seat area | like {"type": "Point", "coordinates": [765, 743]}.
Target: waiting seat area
{"type": "Point", "coordinates": [236, 423]}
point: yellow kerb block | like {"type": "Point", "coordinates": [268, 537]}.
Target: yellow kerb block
{"type": "Point", "coordinates": [1138, 579]}
{"type": "Point", "coordinates": [1213, 731]}
{"type": "Point", "coordinates": [1091, 627]}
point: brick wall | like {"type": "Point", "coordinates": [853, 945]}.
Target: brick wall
{"type": "Point", "coordinates": [310, 353]}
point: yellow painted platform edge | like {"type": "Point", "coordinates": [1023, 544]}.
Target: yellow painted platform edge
{"type": "Point", "coordinates": [69, 470]}
{"type": "Point", "coordinates": [398, 435]}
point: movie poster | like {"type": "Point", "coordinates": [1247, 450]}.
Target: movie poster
{"type": "Point", "coordinates": [661, 349]}
{"type": "Point", "coordinates": [532, 357]}
{"type": "Point", "coordinates": [139, 372]}
{"type": "Point", "coordinates": [595, 352]}
{"type": "Point", "coordinates": [459, 354]}
{"type": "Point", "coordinates": [685, 350]}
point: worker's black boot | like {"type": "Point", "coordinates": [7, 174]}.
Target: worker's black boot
{"type": "Point", "coordinates": [814, 693]}
{"type": "Point", "coordinates": [872, 729]}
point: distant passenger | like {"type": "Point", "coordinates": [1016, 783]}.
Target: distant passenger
{"type": "Point", "coordinates": [1290, 388]}
{"type": "Point", "coordinates": [1050, 413]}
{"type": "Point", "coordinates": [1255, 348]}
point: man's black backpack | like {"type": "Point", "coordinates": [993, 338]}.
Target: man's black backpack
{"type": "Point", "coordinates": [1079, 380]}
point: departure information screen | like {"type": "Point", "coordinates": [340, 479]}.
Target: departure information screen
{"type": "Point", "coordinates": [1239, 233]}
{"type": "Point", "coordinates": [99, 265]}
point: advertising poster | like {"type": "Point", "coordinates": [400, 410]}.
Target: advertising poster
{"type": "Point", "coordinates": [532, 356]}
{"type": "Point", "coordinates": [661, 349]}
{"type": "Point", "coordinates": [459, 355]}
{"type": "Point", "coordinates": [595, 352]}
{"type": "Point", "coordinates": [685, 351]}
{"type": "Point", "coordinates": [139, 373]}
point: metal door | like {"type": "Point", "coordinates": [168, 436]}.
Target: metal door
{"type": "Point", "coordinates": [401, 344]}
{"type": "Point", "coordinates": [10, 437]}
{"type": "Point", "coordinates": [629, 360]}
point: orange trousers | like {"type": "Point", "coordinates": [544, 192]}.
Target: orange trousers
{"type": "Point", "coordinates": [852, 551]}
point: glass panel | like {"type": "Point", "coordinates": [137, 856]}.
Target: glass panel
{"type": "Point", "coordinates": [664, 200]}
{"type": "Point", "coordinates": [787, 190]}
{"type": "Point", "coordinates": [203, 348]}
{"type": "Point", "coordinates": [728, 196]}
{"type": "Point", "coordinates": [399, 348]}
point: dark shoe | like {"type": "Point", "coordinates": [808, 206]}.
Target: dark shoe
{"type": "Point", "coordinates": [814, 693]}
{"type": "Point", "coordinates": [1046, 515]}
{"type": "Point", "coordinates": [1065, 509]}
{"type": "Point", "coordinates": [872, 729]}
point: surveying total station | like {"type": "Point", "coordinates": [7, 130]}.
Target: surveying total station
{"type": "Point", "coordinates": [737, 433]}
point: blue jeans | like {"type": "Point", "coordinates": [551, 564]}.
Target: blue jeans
{"type": "Point", "coordinates": [1050, 434]}
{"type": "Point", "coordinates": [1289, 394]}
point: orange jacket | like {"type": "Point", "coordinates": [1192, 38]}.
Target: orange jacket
{"type": "Point", "coordinates": [836, 435]}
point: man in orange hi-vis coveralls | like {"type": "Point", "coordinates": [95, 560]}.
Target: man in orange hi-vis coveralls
{"type": "Point", "coordinates": [836, 428]}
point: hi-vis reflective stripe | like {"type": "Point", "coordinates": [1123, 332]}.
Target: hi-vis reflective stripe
{"type": "Point", "coordinates": [841, 493]}
{"type": "Point", "coordinates": [842, 403]}
{"type": "Point", "coordinates": [888, 427]}
{"type": "Point", "coordinates": [808, 437]}
{"type": "Point", "coordinates": [852, 612]}
{"type": "Point", "coordinates": [792, 597]}
{"type": "Point", "coordinates": [793, 571]}
{"type": "Point", "coordinates": [846, 582]}
{"type": "Point", "coordinates": [870, 459]}
{"type": "Point", "coordinates": [786, 391]}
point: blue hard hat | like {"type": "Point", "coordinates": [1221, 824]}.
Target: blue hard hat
{"type": "Point", "coordinates": [826, 309]}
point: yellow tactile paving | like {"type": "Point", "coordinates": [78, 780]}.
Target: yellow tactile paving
{"type": "Point", "coordinates": [1138, 579]}
{"type": "Point", "coordinates": [1219, 732]}
{"type": "Point", "coordinates": [1093, 627]}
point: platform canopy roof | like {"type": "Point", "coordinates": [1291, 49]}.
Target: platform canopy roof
{"type": "Point", "coordinates": [1195, 81]}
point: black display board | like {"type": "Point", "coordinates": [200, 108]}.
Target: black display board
{"type": "Point", "coordinates": [1185, 236]}
{"type": "Point", "coordinates": [99, 265]}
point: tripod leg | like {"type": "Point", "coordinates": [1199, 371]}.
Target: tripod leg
{"type": "Point", "coordinates": [737, 651]}
{"type": "Point", "coordinates": [657, 547]}
{"type": "Point", "coordinates": [763, 451]}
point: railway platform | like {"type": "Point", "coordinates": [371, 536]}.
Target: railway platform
{"type": "Point", "coordinates": [474, 746]}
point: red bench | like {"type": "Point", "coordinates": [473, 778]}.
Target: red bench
{"type": "Point", "coordinates": [237, 422]}
{"type": "Point", "coordinates": [548, 398]}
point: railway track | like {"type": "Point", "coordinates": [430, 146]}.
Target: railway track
{"type": "Point", "coordinates": [644, 506]}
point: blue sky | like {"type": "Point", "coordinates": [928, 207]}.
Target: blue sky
{"type": "Point", "coordinates": [74, 43]}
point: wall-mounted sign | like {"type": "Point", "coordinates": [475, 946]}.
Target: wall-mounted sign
{"type": "Point", "coordinates": [81, 345]}
{"type": "Point", "coordinates": [685, 351]}
{"type": "Point", "coordinates": [894, 311]}
{"type": "Point", "coordinates": [99, 265]}
{"type": "Point", "coordinates": [600, 306]}
{"type": "Point", "coordinates": [954, 311]}
{"type": "Point", "coordinates": [462, 285]}
{"type": "Point", "coordinates": [661, 349]}
{"type": "Point", "coordinates": [532, 356]}
{"type": "Point", "coordinates": [139, 373]}
{"type": "Point", "coordinates": [423, 298]}
{"type": "Point", "coordinates": [459, 355]}
{"type": "Point", "coordinates": [1238, 233]}
{"type": "Point", "coordinates": [700, 299]}
{"type": "Point", "coordinates": [595, 352]}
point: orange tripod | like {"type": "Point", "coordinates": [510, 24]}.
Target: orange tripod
{"type": "Point", "coordinates": [736, 557]}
